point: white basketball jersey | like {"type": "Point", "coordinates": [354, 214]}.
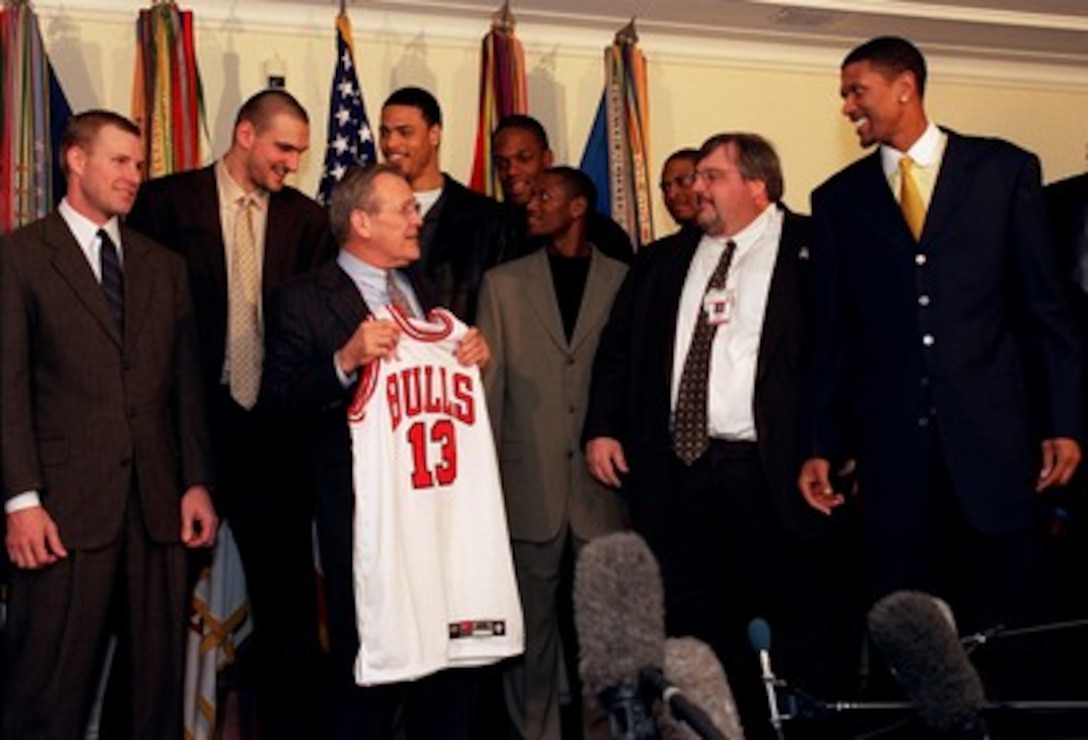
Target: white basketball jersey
{"type": "Point", "coordinates": [434, 576]}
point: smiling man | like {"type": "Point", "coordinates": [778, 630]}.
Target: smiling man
{"type": "Point", "coordinates": [941, 331]}
{"type": "Point", "coordinates": [463, 233]}
{"type": "Point", "coordinates": [243, 231]}
{"type": "Point", "coordinates": [104, 452]}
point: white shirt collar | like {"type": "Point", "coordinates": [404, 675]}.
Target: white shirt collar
{"type": "Point", "coordinates": [84, 229]}
{"type": "Point", "coordinates": [925, 152]}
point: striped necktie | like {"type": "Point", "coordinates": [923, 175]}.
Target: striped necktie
{"type": "Point", "coordinates": [397, 296]}
{"type": "Point", "coordinates": [113, 279]}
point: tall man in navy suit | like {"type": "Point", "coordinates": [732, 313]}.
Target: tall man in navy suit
{"type": "Point", "coordinates": [945, 360]}
{"type": "Point", "coordinates": [214, 217]}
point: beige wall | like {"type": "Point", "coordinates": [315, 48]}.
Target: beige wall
{"type": "Point", "coordinates": [789, 94]}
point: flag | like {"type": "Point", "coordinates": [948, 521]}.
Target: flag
{"type": "Point", "coordinates": [616, 156]}
{"type": "Point", "coordinates": [503, 92]}
{"type": "Point", "coordinates": [167, 96]}
{"type": "Point", "coordinates": [35, 115]}
{"type": "Point", "coordinates": [350, 140]}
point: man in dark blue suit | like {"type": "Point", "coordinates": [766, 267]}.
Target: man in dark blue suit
{"type": "Point", "coordinates": [944, 358]}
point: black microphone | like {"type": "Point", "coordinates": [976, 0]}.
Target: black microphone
{"type": "Point", "coordinates": [619, 613]}
{"type": "Point", "coordinates": [759, 637]}
{"type": "Point", "coordinates": [694, 675]}
{"type": "Point", "coordinates": [916, 637]}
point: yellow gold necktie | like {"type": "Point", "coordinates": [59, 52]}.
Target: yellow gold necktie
{"type": "Point", "coordinates": [910, 200]}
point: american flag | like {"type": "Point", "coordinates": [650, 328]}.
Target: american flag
{"type": "Point", "coordinates": [350, 140]}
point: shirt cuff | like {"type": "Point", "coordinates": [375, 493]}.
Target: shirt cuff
{"type": "Point", "coordinates": [27, 500]}
{"type": "Point", "coordinates": [345, 380]}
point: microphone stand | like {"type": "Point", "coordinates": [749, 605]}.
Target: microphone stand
{"type": "Point", "coordinates": [978, 639]}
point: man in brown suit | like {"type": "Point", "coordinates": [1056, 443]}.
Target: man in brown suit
{"type": "Point", "coordinates": [104, 450]}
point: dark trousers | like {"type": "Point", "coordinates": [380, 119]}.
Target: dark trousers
{"type": "Point", "coordinates": [265, 496]}
{"type": "Point", "coordinates": [59, 620]}
{"type": "Point", "coordinates": [726, 558]}
{"type": "Point", "coordinates": [987, 579]}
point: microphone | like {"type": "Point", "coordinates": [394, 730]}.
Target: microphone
{"type": "Point", "coordinates": [692, 668]}
{"type": "Point", "coordinates": [923, 651]}
{"type": "Point", "coordinates": [619, 614]}
{"type": "Point", "coordinates": [759, 637]}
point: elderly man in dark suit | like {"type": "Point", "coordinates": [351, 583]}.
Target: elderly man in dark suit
{"type": "Point", "coordinates": [243, 232]}
{"type": "Point", "coordinates": [694, 410]}
{"type": "Point", "coordinates": [104, 450]}
{"type": "Point", "coordinates": [319, 340]}
{"type": "Point", "coordinates": [933, 318]}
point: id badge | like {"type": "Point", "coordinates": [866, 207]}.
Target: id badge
{"type": "Point", "coordinates": [718, 304]}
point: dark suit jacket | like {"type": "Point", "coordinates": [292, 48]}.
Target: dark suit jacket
{"type": "Point", "coordinates": [632, 377]}
{"type": "Point", "coordinates": [308, 320]}
{"type": "Point", "coordinates": [463, 234]}
{"type": "Point", "coordinates": [941, 332]}
{"type": "Point", "coordinates": [182, 212]}
{"type": "Point", "coordinates": [1067, 204]}
{"type": "Point", "coordinates": [82, 415]}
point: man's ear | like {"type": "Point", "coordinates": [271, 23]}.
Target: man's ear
{"type": "Point", "coordinates": [548, 158]}
{"type": "Point", "coordinates": [360, 223]}
{"type": "Point", "coordinates": [578, 206]}
{"type": "Point", "coordinates": [434, 133]}
{"type": "Point", "coordinates": [245, 133]}
{"type": "Point", "coordinates": [76, 157]}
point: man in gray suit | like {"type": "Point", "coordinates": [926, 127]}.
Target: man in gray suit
{"type": "Point", "coordinates": [542, 315]}
{"type": "Point", "coordinates": [104, 450]}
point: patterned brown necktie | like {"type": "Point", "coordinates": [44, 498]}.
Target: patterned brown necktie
{"type": "Point", "coordinates": [397, 296]}
{"type": "Point", "coordinates": [910, 200]}
{"type": "Point", "coordinates": [244, 348]}
{"type": "Point", "coordinates": [689, 434]}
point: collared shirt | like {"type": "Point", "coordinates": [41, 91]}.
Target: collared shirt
{"type": "Point", "coordinates": [85, 232]}
{"type": "Point", "coordinates": [373, 285]}
{"type": "Point", "coordinates": [735, 349]}
{"type": "Point", "coordinates": [927, 154]}
{"type": "Point", "coordinates": [427, 199]}
{"type": "Point", "coordinates": [230, 192]}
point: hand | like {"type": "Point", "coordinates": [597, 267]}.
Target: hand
{"type": "Point", "coordinates": [473, 349]}
{"type": "Point", "coordinates": [605, 460]}
{"type": "Point", "coordinates": [816, 487]}
{"type": "Point", "coordinates": [198, 519]}
{"type": "Point", "coordinates": [33, 540]}
{"type": "Point", "coordinates": [371, 340]}
{"type": "Point", "coordinates": [1061, 456]}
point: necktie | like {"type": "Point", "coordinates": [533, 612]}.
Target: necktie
{"type": "Point", "coordinates": [244, 349]}
{"type": "Point", "coordinates": [113, 279]}
{"type": "Point", "coordinates": [689, 435]}
{"type": "Point", "coordinates": [910, 200]}
{"type": "Point", "coordinates": [397, 296]}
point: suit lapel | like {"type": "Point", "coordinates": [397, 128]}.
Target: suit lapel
{"type": "Point", "coordinates": [342, 296]}
{"type": "Point", "coordinates": [140, 288]}
{"type": "Point", "coordinates": [957, 171]}
{"type": "Point", "coordinates": [210, 223]}
{"type": "Point", "coordinates": [781, 302]}
{"type": "Point", "coordinates": [277, 243]}
{"type": "Point", "coordinates": [540, 296]}
{"type": "Point", "coordinates": [596, 299]}
{"type": "Point", "coordinates": [71, 263]}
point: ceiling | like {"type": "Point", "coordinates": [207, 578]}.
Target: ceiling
{"type": "Point", "coordinates": [1046, 31]}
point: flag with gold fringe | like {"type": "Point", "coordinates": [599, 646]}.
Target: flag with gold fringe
{"type": "Point", "coordinates": [35, 114]}
{"type": "Point", "coordinates": [616, 156]}
{"type": "Point", "coordinates": [503, 92]}
{"type": "Point", "coordinates": [350, 138]}
{"type": "Point", "coordinates": [167, 97]}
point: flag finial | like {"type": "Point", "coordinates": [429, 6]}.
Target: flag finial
{"type": "Point", "coordinates": [627, 35]}
{"type": "Point", "coordinates": [502, 19]}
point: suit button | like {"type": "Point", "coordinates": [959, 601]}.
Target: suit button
{"type": "Point", "coordinates": [923, 300]}
{"type": "Point", "coordinates": [919, 259]}
{"type": "Point", "coordinates": [570, 361]}
{"type": "Point", "coordinates": [923, 421]}
{"type": "Point", "coordinates": [928, 340]}
{"type": "Point", "coordinates": [570, 454]}
{"type": "Point", "coordinates": [570, 409]}
{"type": "Point", "coordinates": [924, 382]}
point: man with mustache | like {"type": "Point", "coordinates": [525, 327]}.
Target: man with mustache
{"type": "Point", "coordinates": [105, 452]}
{"type": "Point", "coordinates": [243, 232]}
{"type": "Point", "coordinates": [944, 356]}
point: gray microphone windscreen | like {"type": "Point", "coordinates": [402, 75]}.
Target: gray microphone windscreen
{"type": "Point", "coordinates": [692, 666]}
{"type": "Point", "coordinates": [914, 635]}
{"type": "Point", "coordinates": [619, 611]}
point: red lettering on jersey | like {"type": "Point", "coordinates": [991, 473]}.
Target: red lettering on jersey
{"type": "Point", "coordinates": [392, 395]}
{"type": "Point", "coordinates": [465, 411]}
{"type": "Point", "coordinates": [413, 394]}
